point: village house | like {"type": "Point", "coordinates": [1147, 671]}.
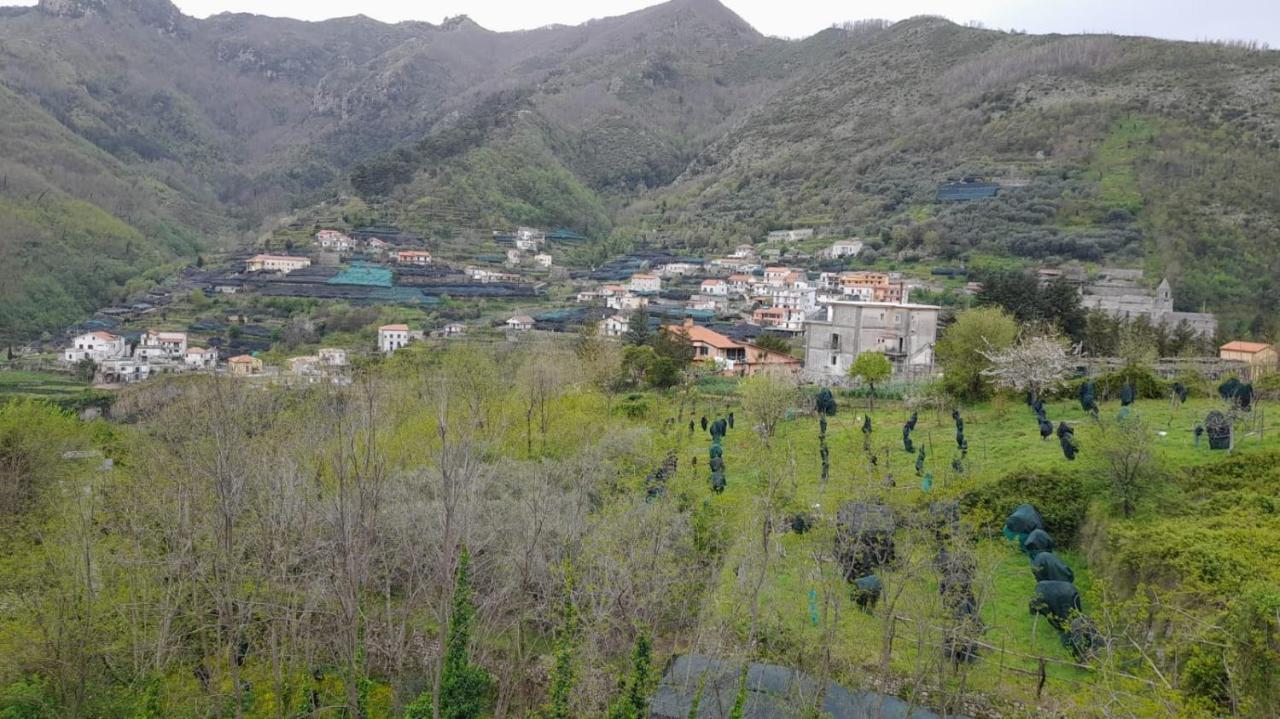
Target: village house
{"type": "Point", "coordinates": [743, 252]}
{"type": "Point", "coordinates": [789, 235]}
{"type": "Point", "coordinates": [334, 240]}
{"type": "Point", "coordinates": [513, 257]}
{"type": "Point", "coordinates": [843, 248]}
{"type": "Point", "coordinates": [520, 323]}
{"type": "Point", "coordinates": [201, 358]}
{"type": "Point", "coordinates": [730, 357]}
{"type": "Point", "coordinates": [454, 329]}
{"type": "Point", "coordinates": [377, 246]}
{"type": "Point", "coordinates": [714, 287]}
{"type": "Point", "coordinates": [1259, 358]}
{"type": "Point", "coordinates": [125, 370]}
{"type": "Point", "coordinates": [542, 260]}
{"type": "Point", "coordinates": [419, 258]}
{"type": "Point", "coordinates": [613, 326]}
{"type": "Point", "coordinates": [627, 302]}
{"type": "Point", "coordinates": [96, 346]}
{"type": "Point", "coordinates": [161, 345]}
{"type": "Point", "coordinates": [307, 365]}
{"type": "Point", "coordinates": [872, 287]}
{"type": "Point", "coordinates": [703, 303]}
{"type": "Point", "coordinates": [905, 333]}
{"type": "Point", "coordinates": [244, 365]}
{"type": "Point", "coordinates": [740, 283]}
{"type": "Point", "coordinates": [332, 357]}
{"type": "Point", "coordinates": [646, 283]}
{"type": "Point", "coordinates": [677, 269]}
{"type": "Point", "coordinates": [777, 275]}
{"type": "Point", "coordinates": [284, 264]}
{"type": "Point", "coordinates": [786, 319]}
{"type": "Point", "coordinates": [528, 239]}
{"type": "Point", "coordinates": [589, 295]}
{"type": "Point", "coordinates": [392, 338]}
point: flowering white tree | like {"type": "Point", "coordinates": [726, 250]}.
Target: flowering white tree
{"type": "Point", "coordinates": [1036, 364]}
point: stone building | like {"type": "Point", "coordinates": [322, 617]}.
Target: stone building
{"type": "Point", "coordinates": [905, 333]}
{"type": "Point", "coordinates": [1119, 294]}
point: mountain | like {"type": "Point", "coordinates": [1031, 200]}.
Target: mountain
{"type": "Point", "coordinates": [137, 135]}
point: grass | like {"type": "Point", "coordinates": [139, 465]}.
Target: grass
{"type": "Point", "coordinates": [1123, 146]}
{"type": "Point", "coordinates": [1003, 439]}
{"type": "Point", "coordinates": [39, 385]}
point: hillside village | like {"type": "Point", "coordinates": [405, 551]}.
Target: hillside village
{"type": "Point", "coordinates": [806, 290]}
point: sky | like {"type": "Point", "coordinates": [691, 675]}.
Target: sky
{"type": "Point", "coordinates": [1177, 19]}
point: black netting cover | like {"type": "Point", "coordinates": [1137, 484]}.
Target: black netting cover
{"type": "Point", "coordinates": [866, 591]}
{"type": "Point", "coordinates": [1218, 427]}
{"type": "Point", "coordinates": [1022, 522]}
{"type": "Point", "coordinates": [1036, 542]}
{"type": "Point", "coordinates": [1048, 567]}
{"type": "Point", "coordinates": [773, 692]}
{"type": "Point", "coordinates": [1056, 601]}
{"type": "Point", "coordinates": [864, 538]}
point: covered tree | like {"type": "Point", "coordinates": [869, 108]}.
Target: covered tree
{"type": "Point", "coordinates": [962, 350]}
{"type": "Point", "coordinates": [872, 368]}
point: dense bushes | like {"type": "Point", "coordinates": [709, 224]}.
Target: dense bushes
{"type": "Point", "coordinates": [1060, 497]}
{"type": "Point", "coordinates": [1146, 384]}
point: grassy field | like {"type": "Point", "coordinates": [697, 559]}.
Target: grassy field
{"type": "Point", "coordinates": [804, 603]}
{"type": "Point", "coordinates": [39, 385]}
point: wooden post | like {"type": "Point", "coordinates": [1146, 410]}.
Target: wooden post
{"type": "Point", "coordinates": [1040, 685]}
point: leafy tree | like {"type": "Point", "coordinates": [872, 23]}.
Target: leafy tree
{"type": "Point", "coordinates": [766, 397]}
{"type": "Point", "coordinates": [1127, 456]}
{"type": "Point", "coordinates": [86, 369]}
{"type": "Point", "coordinates": [633, 703]}
{"type": "Point", "coordinates": [199, 260]}
{"type": "Point", "coordinates": [773, 343]}
{"type": "Point", "coordinates": [872, 368]}
{"type": "Point", "coordinates": [961, 351]}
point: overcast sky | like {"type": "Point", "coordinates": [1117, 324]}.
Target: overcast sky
{"type": "Point", "coordinates": [1180, 19]}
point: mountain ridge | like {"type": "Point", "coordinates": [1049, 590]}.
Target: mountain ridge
{"type": "Point", "coordinates": [678, 121]}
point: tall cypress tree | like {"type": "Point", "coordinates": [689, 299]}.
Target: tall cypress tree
{"type": "Point", "coordinates": [634, 701]}
{"type": "Point", "coordinates": [564, 674]}
{"type": "Point", "coordinates": [466, 690]}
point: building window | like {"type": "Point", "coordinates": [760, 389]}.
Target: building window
{"type": "Point", "coordinates": [834, 360]}
{"type": "Point", "coordinates": [835, 341]}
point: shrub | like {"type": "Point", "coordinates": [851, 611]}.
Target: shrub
{"type": "Point", "coordinates": [1061, 498]}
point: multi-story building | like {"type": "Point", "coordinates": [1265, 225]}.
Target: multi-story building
{"type": "Point", "coordinates": [905, 333]}
{"type": "Point", "coordinates": [96, 346]}
{"type": "Point", "coordinates": [283, 264]}
{"type": "Point", "coordinates": [421, 258]}
{"type": "Point", "coordinates": [161, 345]}
{"type": "Point", "coordinates": [646, 283]}
{"type": "Point", "coordinates": [392, 338]}
{"type": "Point", "coordinates": [729, 356]}
{"type": "Point", "coordinates": [786, 319]}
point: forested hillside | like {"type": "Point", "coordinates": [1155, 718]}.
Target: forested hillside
{"type": "Point", "coordinates": [678, 122]}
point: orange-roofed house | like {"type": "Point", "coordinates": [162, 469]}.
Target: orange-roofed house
{"type": "Point", "coordinates": [731, 357]}
{"type": "Point", "coordinates": [392, 338]}
{"type": "Point", "coordinates": [1258, 355]}
{"type": "Point", "coordinates": [245, 365]}
{"type": "Point", "coordinates": [421, 258]}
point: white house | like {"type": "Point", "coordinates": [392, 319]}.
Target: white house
{"type": "Point", "coordinates": [529, 239]}
{"type": "Point", "coordinates": [646, 283]}
{"type": "Point", "coordinates": [124, 370]}
{"type": "Point", "coordinates": [520, 323]}
{"type": "Point", "coordinates": [454, 329]}
{"type": "Point", "coordinates": [542, 259]}
{"type": "Point", "coordinates": [162, 345]}
{"type": "Point", "coordinates": [627, 301]}
{"type": "Point", "coordinates": [392, 338]}
{"type": "Point", "coordinates": [844, 248]}
{"type": "Point", "coordinates": [332, 357]}
{"type": "Point", "coordinates": [334, 240]}
{"type": "Point", "coordinates": [96, 346]}
{"type": "Point", "coordinates": [283, 264]}
{"type": "Point", "coordinates": [513, 257]}
{"type": "Point", "coordinates": [589, 295]}
{"type": "Point", "coordinates": [677, 269]}
{"type": "Point", "coordinates": [715, 287]}
{"type": "Point", "coordinates": [201, 358]}
{"type": "Point", "coordinates": [743, 252]}
{"type": "Point", "coordinates": [613, 326]}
